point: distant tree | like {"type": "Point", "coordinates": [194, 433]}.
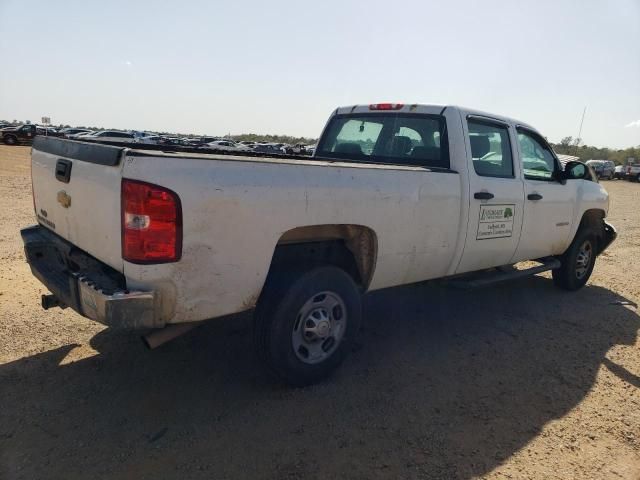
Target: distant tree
{"type": "Point", "coordinates": [571, 146]}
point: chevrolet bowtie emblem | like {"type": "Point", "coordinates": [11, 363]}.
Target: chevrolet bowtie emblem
{"type": "Point", "coordinates": [64, 199]}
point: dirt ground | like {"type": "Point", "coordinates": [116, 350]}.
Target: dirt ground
{"type": "Point", "coordinates": [511, 382]}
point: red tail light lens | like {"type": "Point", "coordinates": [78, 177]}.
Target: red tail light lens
{"type": "Point", "coordinates": [386, 106]}
{"type": "Point", "coordinates": [151, 223]}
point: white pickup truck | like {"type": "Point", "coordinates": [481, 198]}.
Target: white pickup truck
{"type": "Point", "coordinates": [394, 194]}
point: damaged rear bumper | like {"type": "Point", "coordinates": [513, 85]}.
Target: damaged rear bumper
{"type": "Point", "coordinates": [83, 283]}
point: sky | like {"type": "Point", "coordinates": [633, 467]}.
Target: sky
{"type": "Point", "coordinates": [281, 67]}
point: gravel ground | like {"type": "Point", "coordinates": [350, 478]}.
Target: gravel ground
{"type": "Point", "coordinates": [517, 381]}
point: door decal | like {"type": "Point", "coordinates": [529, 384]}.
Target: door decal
{"type": "Point", "coordinates": [496, 221]}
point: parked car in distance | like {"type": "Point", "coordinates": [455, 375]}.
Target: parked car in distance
{"type": "Point", "coordinates": [150, 139]}
{"type": "Point", "coordinates": [633, 173]}
{"type": "Point", "coordinates": [24, 134]}
{"type": "Point", "coordinates": [619, 172]}
{"type": "Point", "coordinates": [71, 132]}
{"type": "Point", "coordinates": [297, 149]}
{"type": "Point", "coordinates": [178, 141]}
{"type": "Point", "coordinates": [110, 136]}
{"type": "Point", "coordinates": [394, 195]}
{"type": "Point", "coordinates": [227, 145]}
{"type": "Point", "coordinates": [604, 169]}
{"type": "Point", "coordinates": [267, 148]}
{"type": "Point", "coordinates": [199, 141]}
{"type": "Point", "coordinates": [79, 136]}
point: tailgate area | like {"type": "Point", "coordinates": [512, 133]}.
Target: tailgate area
{"type": "Point", "coordinates": [76, 190]}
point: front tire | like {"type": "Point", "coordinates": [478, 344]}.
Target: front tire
{"type": "Point", "coordinates": [577, 262]}
{"type": "Point", "coordinates": [306, 323]}
{"type": "Point", "coordinates": [10, 140]}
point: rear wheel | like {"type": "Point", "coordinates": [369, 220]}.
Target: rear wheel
{"type": "Point", "coordinates": [10, 140]}
{"type": "Point", "coordinates": [577, 262]}
{"type": "Point", "coordinates": [306, 322]}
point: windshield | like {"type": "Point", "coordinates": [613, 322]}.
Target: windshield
{"type": "Point", "coordinates": [404, 139]}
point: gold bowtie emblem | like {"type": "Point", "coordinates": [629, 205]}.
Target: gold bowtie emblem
{"type": "Point", "coordinates": [64, 199]}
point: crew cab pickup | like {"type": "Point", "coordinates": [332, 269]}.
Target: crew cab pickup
{"type": "Point", "coordinates": [24, 134]}
{"type": "Point", "coordinates": [394, 194]}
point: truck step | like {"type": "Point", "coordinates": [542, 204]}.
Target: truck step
{"type": "Point", "coordinates": [502, 274]}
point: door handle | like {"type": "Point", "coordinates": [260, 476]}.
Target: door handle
{"type": "Point", "coordinates": [63, 170]}
{"type": "Point", "coordinates": [483, 196]}
{"type": "Point", "coordinates": [534, 196]}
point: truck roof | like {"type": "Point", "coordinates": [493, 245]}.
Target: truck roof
{"type": "Point", "coordinates": [422, 108]}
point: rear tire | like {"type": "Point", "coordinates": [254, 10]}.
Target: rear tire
{"type": "Point", "coordinates": [577, 262]}
{"type": "Point", "coordinates": [10, 140]}
{"type": "Point", "coordinates": [306, 323]}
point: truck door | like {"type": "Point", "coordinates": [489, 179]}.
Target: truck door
{"type": "Point", "coordinates": [548, 204]}
{"type": "Point", "coordinates": [28, 131]}
{"type": "Point", "coordinates": [496, 194]}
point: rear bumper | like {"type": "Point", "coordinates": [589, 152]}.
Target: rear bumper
{"type": "Point", "coordinates": [83, 283]}
{"type": "Point", "coordinates": [609, 235]}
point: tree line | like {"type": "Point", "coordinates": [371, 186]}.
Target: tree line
{"type": "Point", "coordinates": [573, 146]}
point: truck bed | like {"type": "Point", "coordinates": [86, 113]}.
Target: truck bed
{"type": "Point", "coordinates": [236, 209]}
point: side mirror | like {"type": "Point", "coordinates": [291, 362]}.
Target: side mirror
{"type": "Point", "coordinates": [575, 171]}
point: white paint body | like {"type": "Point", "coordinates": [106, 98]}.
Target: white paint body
{"type": "Point", "coordinates": [235, 210]}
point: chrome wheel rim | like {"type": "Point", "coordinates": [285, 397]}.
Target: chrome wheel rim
{"type": "Point", "coordinates": [583, 260]}
{"type": "Point", "coordinates": [319, 327]}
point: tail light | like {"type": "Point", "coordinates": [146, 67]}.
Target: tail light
{"type": "Point", "coordinates": [151, 223]}
{"type": "Point", "coordinates": [386, 106]}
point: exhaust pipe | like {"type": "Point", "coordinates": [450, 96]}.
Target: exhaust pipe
{"type": "Point", "coordinates": [160, 337]}
{"type": "Point", "coordinates": [50, 301]}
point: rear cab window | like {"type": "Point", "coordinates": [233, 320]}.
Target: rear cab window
{"type": "Point", "coordinates": [389, 138]}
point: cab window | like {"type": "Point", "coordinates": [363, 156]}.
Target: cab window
{"type": "Point", "coordinates": [538, 161]}
{"type": "Point", "coordinates": [490, 149]}
{"type": "Point", "coordinates": [392, 138]}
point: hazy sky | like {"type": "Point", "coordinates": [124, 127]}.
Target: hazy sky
{"type": "Point", "coordinates": [283, 66]}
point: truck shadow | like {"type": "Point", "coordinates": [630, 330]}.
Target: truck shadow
{"type": "Point", "coordinates": [445, 384]}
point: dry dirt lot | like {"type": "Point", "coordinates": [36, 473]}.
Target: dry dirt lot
{"type": "Point", "coordinates": [518, 381]}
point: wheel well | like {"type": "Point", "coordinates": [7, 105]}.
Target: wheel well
{"type": "Point", "coordinates": [350, 247]}
{"type": "Point", "coordinates": [593, 220]}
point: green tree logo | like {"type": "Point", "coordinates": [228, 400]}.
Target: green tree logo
{"type": "Point", "coordinates": [508, 213]}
